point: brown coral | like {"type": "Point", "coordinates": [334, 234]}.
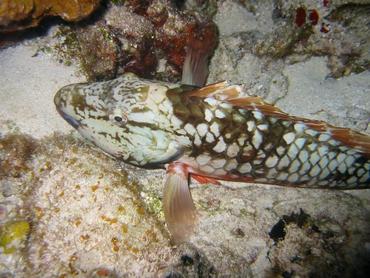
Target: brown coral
{"type": "Point", "coordinates": [149, 38]}
{"type": "Point", "coordinates": [17, 15]}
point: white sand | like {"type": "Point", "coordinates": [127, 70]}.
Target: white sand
{"type": "Point", "coordinates": [28, 85]}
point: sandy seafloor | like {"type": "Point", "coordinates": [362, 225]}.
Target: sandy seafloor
{"type": "Point", "coordinates": [88, 214]}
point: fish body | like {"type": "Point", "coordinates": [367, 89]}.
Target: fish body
{"type": "Point", "coordinates": [211, 133]}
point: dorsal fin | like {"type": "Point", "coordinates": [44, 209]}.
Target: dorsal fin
{"type": "Point", "coordinates": [231, 94]}
{"type": "Point", "coordinates": [347, 136]}
{"type": "Point", "coordinates": [221, 90]}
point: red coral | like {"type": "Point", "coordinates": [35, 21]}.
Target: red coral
{"type": "Point", "coordinates": [313, 17]}
{"type": "Point", "coordinates": [300, 16]}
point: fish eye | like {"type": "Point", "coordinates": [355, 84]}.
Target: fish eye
{"type": "Point", "coordinates": [118, 117]}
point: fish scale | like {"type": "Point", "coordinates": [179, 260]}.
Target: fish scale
{"type": "Point", "coordinates": [211, 133]}
{"type": "Point", "coordinates": [275, 151]}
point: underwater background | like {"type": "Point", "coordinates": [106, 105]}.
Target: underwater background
{"type": "Point", "coordinates": [67, 210]}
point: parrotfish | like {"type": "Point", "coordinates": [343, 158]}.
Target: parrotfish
{"type": "Point", "coordinates": [211, 133]}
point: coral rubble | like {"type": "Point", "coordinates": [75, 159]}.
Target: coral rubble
{"type": "Point", "coordinates": [17, 15]}
{"type": "Point", "coordinates": [149, 38]}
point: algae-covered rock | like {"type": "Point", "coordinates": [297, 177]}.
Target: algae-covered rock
{"type": "Point", "coordinates": [12, 235]}
{"type": "Point", "coordinates": [17, 15]}
{"type": "Point", "coordinates": [149, 38]}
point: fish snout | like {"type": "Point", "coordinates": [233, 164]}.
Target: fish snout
{"type": "Point", "coordinates": [62, 101]}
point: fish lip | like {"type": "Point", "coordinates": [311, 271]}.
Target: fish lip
{"type": "Point", "coordinates": [58, 103]}
{"type": "Point", "coordinates": [73, 122]}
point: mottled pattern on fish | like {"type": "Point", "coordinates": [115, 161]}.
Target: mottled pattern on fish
{"type": "Point", "coordinates": [215, 133]}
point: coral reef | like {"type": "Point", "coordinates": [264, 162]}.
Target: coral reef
{"type": "Point", "coordinates": [17, 15]}
{"type": "Point", "coordinates": [270, 38]}
{"type": "Point", "coordinates": [149, 38]}
{"type": "Point", "coordinates": [68, 210]}
{"type": "Point", "coordinates": [60, 222]}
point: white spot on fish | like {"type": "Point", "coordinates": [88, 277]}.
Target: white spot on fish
{"type": "Point", "coordinates": [220, 114]}
{"type": "Point", "coordinates": [324, 137]}
{"type": "Point", "coordinates": [271, 161]}
{"type": "Point", "coordinates": [211, 101]}
{"type": "Point", "coordinates": [293, 151]}
{"type": "Point", "coordinates": [324, 173]}
{"type": "Point", "coordinates": [250, 126]}
{"type": "Point", "coordinates": [209, 137]}
{"type": "Point", "coordinates": [303, 155]}
{"type": "Point", "coordinates": [294, 166]}
{"type": "Point", "coordinates": [332, 165]}
{"type": "Point", "coordinates": [242, 139]}
{"type": "Point", "coordinates": [245, 168]}
{"type": "Point", "coordinates": [176, 122]}
{"type": "Point", "coordinates": [272, 173]}
{"type": "Point", "coordinates": [311, 132]}
{"type": "Point", "coordinates": [289, 137]}
{"type": "Point", "coordinates": [283, 162]}
{"type": "Point", "coordinates": [342, 168]}
{"type": "Point", "coordinates": [299, 127]}
{"type": "Point", "coordinates": [282, 176]}
{"type": "Point", "coordinates": [208, 115]}
{"type": "Point", "coordinates": [203, 159]}
{"type": "Point", "coordinates": [258, 115]}
{"type": "Point", "coordinates": [189, 128]}
{"type": "Point", "coordinates": [226, 105]}
{"type": "Point", "coordinates": [280, 150]}
{"type": "Point", "coordinates": [257, 139]}
{"type": "Point", "coordinates": [219, 172]}
{"type": "Point", "coordinates": [215, 129]}
{"type": "Point", "coordinates": [231, 165]}
{"type": "Point", "coordinates": [323, 150]}
{"type": "Point", "coordinates": [312, 147]}
{"type": "Point", "coordinates": [262, 127]}
{"type": "Point", "coordinates": [208, 169]}
{"type": "Point", "coordinates": [293, 178]}
{"type": "Point", "coordinates": [218, 163]}
{"type": "Point", "coordinates": [315, 171]}
{"type": "Point", "coordinates": [323, 162]}
{"type": "Point", "coordinates": [349, 160]}
{"type": "Point", "coordinates": [184, 140]}
{"type": "Point", "coordinates": [197, 140]}
{"type": "Point", "coordinates": [220, 146]}
{"type": "Point", "coordinates": [202, 129]}
{"type": "Point", "coordinates": [300, 143]}
{"type": "Point", "coordinates": [232, 150]}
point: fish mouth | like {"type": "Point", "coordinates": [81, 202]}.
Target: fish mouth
{"type": "Point", "coordinates": [58, 101]}
{"type": "Point", "coordinates": [73, 122]}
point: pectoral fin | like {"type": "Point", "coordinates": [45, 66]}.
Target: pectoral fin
{"type": "Point", "coordinates": [179, 209]}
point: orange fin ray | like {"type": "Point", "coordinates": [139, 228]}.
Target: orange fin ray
{"type": "Point", "coordinates": [205, 180]}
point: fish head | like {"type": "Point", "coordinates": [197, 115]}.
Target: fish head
{"type": "Point", "coordinates": [117, 117]}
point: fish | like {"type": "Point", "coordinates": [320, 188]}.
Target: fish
{"type": "Point", "coordinates": [216, 132]}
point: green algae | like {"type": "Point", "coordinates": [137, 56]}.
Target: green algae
{"type": "Point", "coordinates": [12, 233]}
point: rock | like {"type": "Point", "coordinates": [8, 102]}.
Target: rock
{"type": "Point", "coordinates": [17, 15]}
{"type": "Point", "coordinates": [149, 38]}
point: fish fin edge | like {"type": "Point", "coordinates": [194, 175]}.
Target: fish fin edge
{"type": "Point", "coordinates": [178, 206]}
